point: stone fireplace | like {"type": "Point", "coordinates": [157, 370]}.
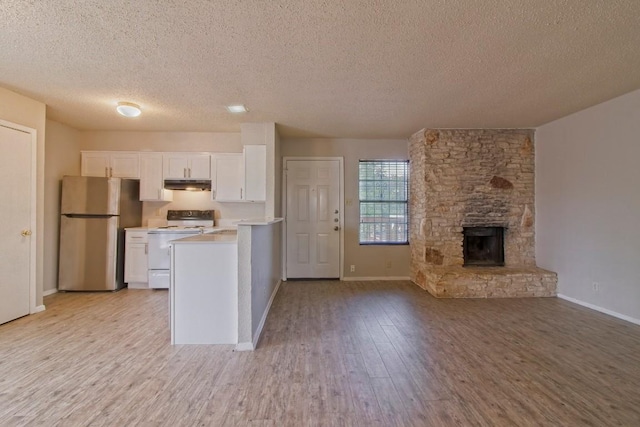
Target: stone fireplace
{"type": "Point", "coordinates": [472, 214]}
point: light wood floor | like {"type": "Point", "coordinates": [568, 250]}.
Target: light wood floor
{"type": "Point", "coordinates": [332, 353]}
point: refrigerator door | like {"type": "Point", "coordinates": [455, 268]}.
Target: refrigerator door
{"type": "Point", "coordinates": [88, 254]}
{"type": "Point", "coordinates": [88, 195]}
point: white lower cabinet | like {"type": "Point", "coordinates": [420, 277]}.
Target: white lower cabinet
{"type": "Point", "coordinates": [135, 259]}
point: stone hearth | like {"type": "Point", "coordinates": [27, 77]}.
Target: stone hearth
{"type": "Point", "coordinates": [474, 178]}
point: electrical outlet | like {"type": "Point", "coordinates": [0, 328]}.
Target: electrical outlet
{"type": "Point", "coordinates": [596, 287]}
{"type": "Point", "coordinates": [353, 268]}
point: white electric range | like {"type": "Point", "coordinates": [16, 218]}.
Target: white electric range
{"type": "Point", "coordinates": [180, 223]}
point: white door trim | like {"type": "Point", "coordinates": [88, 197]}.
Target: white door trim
{"type": "Point", "coordinates": [33, 308]}
{"type": "Point", "coordinates": [284, 208]}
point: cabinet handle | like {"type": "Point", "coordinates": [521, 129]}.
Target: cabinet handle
{"type": "Point", "coordinates": [184, 173]}
{"type": "Point", "coordinates": [241, 194]}
{"type": "Point", "coordinates": [106, 172]}
{"type": "Point", "coordinates": [146, 248]}
{"type": "Point", "coordinates": [110, 172]}
{"type": "Point", "coordinates": [189, 172]}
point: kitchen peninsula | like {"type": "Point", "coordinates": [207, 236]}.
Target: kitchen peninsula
{"type": "Point", "coordinates": [223, 283]}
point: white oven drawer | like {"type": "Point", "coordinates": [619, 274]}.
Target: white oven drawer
{"type": "Point", "coordinates": [159, 279]}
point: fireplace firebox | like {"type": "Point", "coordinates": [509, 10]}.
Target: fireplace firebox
{"type": "Point", "coordinates": [483, 246]}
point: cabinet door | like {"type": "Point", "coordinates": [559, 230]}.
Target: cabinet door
{"type": "Point", "coordinates": [255, 173]}
{"type": "Point", "coordinates": [124, 165]}
{"type": "Point", "coordinates": [200, 166]}
{"type": "Point", "coordinates": [94, 164]}
{"type": "Point", "coordinates": [135, 263]}
{"type": "Point", "coordinates": [151, 182]}
{"type": "Point", "coordinates": [175, 166]}
{"type": "Point", "coordinates": [228, 177]}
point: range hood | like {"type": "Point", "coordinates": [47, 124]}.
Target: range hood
{"type": "Point", "coordinates": [188, 184]}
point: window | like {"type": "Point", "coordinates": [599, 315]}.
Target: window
{"type": "Point", "coordinates": [384, 192]}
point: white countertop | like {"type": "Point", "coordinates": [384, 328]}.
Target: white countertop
{"type": "Point", "coordinates": [259, 221]}
{"type": "Point", "coordinates": [207, 229]}
{"type": "Point", "coordinates": [208, 238]}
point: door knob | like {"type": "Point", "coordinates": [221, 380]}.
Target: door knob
{"type": "Point", "coordinates": [26, 233]}
{"type": "Point", "coordinates": [336, 228]}
{"type": "Point", "coordinates": [336, 211]}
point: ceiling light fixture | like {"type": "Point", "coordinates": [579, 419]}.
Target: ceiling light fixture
{"type": "Point", "coordinates": [128, 109]}
{"type": "Point", "coordinates": [237, 108]}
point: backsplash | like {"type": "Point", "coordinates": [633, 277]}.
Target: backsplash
{"type": "Point", "coordinates": [200, 200]}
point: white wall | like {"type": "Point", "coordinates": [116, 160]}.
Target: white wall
{"type": "Point", "coordinates": [588, 204]}
{"type": "Point", "coordinates": [61, 158]}
{"type": "Point", "coordinates": [27, 112]}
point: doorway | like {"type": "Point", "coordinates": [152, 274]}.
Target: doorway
{"type": "Point", "coordinates": [17, 228]}
{"type": "Point", "coordinates": [313, 207]}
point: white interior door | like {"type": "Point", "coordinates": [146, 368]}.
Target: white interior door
{"type": "Point", "coordinates": [312, 215]}
{"type": "Point", "coordinates": [15, 226]}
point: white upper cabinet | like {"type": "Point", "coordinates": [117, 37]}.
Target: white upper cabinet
{"type": "Point", "coordinates": [187, 165]}
{"type": "Point", "coordinates": [200, 166]}
{"type": "Point", "coordinates": [240, 177]}
{"type": "Point", "coordinates": [115, 164]}
{"type": "Point", "coordinates": [227, 171]}
{"type": "Point", "coordinates": [151, 179]}
{"type": "Point", "coordinates": [255, 173]}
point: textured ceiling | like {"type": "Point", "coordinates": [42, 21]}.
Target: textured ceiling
{"type": "Point", "coordinates": [335, 68]}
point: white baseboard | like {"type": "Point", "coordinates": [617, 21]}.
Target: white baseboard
{"type": "Point", "coordinates": [370, 279]}
{"type": "Point", "coordinates": [600, 309]}
{"type": "Point", "coordinates": [38, 309]}
{"type": "Point", "coordinates": [49, 292]}
{"type": "Point", "coordinates": [244, 346]}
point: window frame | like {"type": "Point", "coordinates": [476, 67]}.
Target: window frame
{"type": "Point", "coordinates": [402, 202]}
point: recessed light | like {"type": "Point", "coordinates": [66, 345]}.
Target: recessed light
{"type": "Point", "coordinates": [128, 109]}
{"type": "Point", "coordinates": [237, 108]}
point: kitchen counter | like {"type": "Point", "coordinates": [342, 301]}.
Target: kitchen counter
{"type": "Point", "coordinates": [215, 237]}
{"type": "Point", "coordinates": [259, 221]}
{"type": "Point", "coordinates": [215, 229]}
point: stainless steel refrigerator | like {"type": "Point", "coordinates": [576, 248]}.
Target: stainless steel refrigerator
{"type": "Point", "coordinates": [94, 212]}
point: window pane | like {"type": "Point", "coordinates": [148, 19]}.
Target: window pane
{"type": "Point", "coordinates": [383, 192]}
